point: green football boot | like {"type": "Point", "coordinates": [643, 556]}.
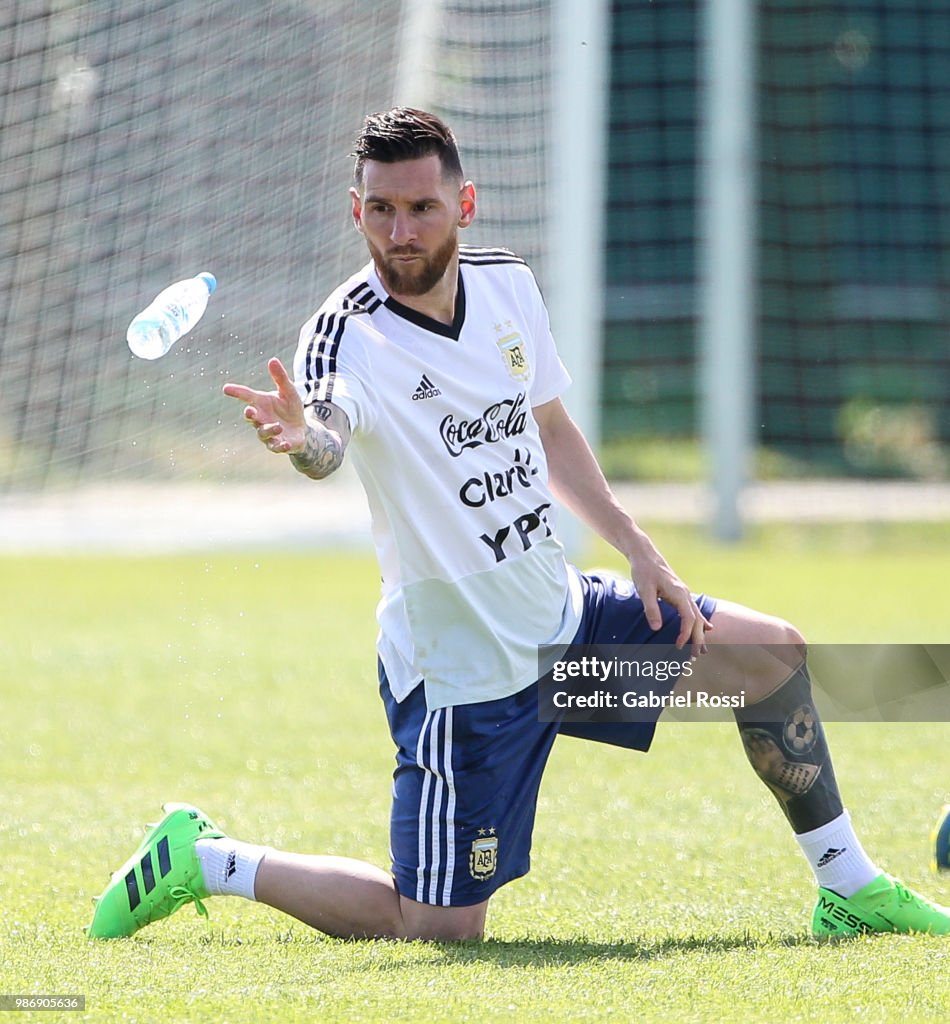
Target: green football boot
{"type": "Point", "coordinates": [883, 905]}
{"type": "Point", "coordinates": [162, 875]}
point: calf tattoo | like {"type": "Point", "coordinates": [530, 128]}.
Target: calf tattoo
{"type": "Point", "coordinates": [785, 743]}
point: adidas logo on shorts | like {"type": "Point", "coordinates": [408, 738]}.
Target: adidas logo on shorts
{"type": "Point", "coordinates": [426, 389]}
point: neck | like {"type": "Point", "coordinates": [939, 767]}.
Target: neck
{"type": "Point", "coordinates": [438, 303]}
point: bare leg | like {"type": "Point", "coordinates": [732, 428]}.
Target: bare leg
{"type": "Point", "coordinates": [749, 652]}
{"type": "Point", "coordinates": [353, 899]}
{"type": "Point", "coordinates": [764, 657]}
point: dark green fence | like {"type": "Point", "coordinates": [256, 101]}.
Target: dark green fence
{"type": "Point", "coordinates": [853, 363]}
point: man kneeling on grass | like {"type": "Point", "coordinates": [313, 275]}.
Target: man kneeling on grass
{"type": "Point", "coordinates": [435, 365]}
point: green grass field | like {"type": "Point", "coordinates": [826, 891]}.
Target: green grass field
{"type": "Point", "coordinates": [664, 887]}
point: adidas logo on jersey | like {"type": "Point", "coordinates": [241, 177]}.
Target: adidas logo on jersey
{"type": "Point", "coordinates": [426, 389]}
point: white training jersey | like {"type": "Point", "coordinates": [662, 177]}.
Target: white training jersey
{"type": "Point", "coordinates": [450, 456]}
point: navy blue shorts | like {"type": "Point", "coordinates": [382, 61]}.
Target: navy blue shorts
{"type": "Point", "coordinates": [467, 777]}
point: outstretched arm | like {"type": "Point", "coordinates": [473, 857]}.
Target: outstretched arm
{"type": "Point", "coordinates": [315, 438]}
{"type": "Point", "coordinates": [577, 480]}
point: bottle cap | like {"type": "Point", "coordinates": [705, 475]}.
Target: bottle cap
{"type": "Point", "coordinates": [209, 280]}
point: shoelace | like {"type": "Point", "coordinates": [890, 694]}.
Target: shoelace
{"type": "Point", "coordinates": [182, 895]}
{"type": "Point", "coordinates": [905, 895]}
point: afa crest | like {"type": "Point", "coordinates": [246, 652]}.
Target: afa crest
{"type": "Point", "coordinates": [483, 858]}
{"type": "Point", "coordinates": [514, 353]}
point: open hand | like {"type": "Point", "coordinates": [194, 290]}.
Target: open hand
{"type": "Point", "coordinates": [277, 415]}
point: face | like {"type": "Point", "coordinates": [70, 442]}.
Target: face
{"type": "Point", "coordinates": [410, 216]}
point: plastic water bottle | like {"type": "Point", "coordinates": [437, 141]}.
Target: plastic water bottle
{"type": "Point", "coordinates": [171, 315]}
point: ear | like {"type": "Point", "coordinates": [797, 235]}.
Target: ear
{"type": "Point", "coordinates": [357, 209]}
{"type": "Point", "coordinates": [467, 204]}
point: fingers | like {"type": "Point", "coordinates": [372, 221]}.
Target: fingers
{"type": "Point", "coordinates": [252, 415]}
{"type": "Point", "coordinates": [268, 430]}
{"type": "Point", "coordinates": [272, 414]}
{"type": "Point", "coordinates": [290, 399]}
{"type": "Point", "coordinates": [265, 431]}
{"type": "Point", "coordinates": [285, 386]}
{"type": "Point", "coordinates": [693, 627]}
{"type": "Point", "coordinates": [271, 435]}
{"type": "Point", "coordinates": [279, 375]}
{"type": "Point", "coordinates": [693, 624]}
{"type": "Point", "coordinates": [697, 636]}
{"type": "Point", "coordinates": [651, 606]}
{"type": "Point", "coordinates": [240, 392]}
{"type": "Point", "coordinates": [687, 612]}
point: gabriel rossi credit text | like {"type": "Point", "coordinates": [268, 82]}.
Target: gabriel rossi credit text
{"type": "Point", "coordinates": [612, 682]}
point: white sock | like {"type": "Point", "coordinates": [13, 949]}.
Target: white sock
{"type": "Point", "coordinates": [229, 866]}
{"type": "Point", "coordinates": [837, 857]}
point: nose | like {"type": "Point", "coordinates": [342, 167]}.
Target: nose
{"type": "Point", "coordinates": [402, 231]}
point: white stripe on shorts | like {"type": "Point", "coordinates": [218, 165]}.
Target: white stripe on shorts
{"type": "Point", "coordinates": [449, 814]}
{"type": "Point", "coordinates": [436, 815]}
{"type": "Point", "coordinates": [432, 749]}
{"type": "Point", "coordinates": [420, 869]}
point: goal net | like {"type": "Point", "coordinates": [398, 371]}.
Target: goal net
{"type": "Point", "coordinates": [141, 143]}
{"type": "Point", "coordinates": [852, 367]}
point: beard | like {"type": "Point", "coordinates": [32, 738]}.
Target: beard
{"type": "Point", "coordinates": [418, 277]}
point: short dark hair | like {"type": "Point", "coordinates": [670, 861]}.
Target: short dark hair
{"type": "Point", "coordinates": [405, 133]}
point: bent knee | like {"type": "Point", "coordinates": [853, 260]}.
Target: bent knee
{"type": "Point", "coordinates": [737, 625]}
{"type": "Point", "coordinates": [442, 924]}
{"type": "Point", "coordinates": [780, 633]}
{"type": "Point", "coordinates": [791, 636]}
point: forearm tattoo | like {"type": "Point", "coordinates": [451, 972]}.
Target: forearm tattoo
{"type": "Point", "coordinates": [324, 443]}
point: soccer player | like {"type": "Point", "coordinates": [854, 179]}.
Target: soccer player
{"type": "Point", "coordinates": [434, 366]}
